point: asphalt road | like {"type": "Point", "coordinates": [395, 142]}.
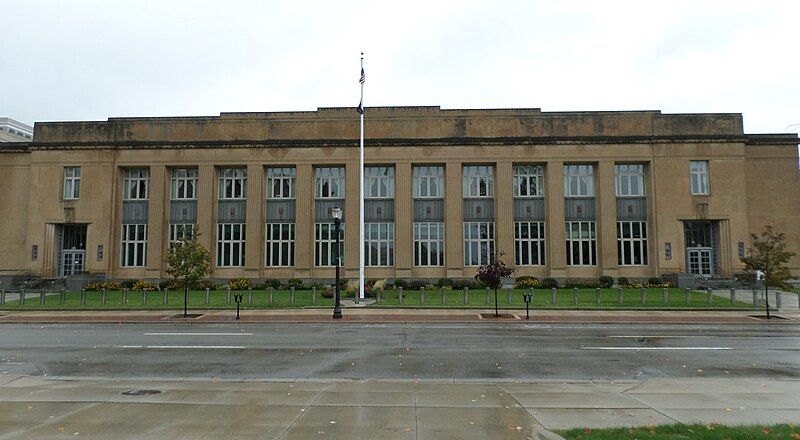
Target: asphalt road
{"type": "Point", "coordinates": [402, 351]}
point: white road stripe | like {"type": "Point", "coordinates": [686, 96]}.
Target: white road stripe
{"type": "Point", "coordinates": [656, 348]}
{"type": "Point", "coordinates": [663, 336]}
{"type": "Point", "coordinates": [198, 334]}
{"type": "Point", "coordinates": [203, 347]}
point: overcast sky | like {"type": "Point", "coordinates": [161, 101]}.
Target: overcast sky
{"type": "Point", "coordinates": [90, 60]}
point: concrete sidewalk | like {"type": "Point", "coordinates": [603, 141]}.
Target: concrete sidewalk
{"type": "Point", "coordinates": [33, 408]}
{"type": "Point", "coordinates": [398, 315]}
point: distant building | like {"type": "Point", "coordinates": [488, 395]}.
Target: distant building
{"type": "Point", "coordinates": [14, 131]}
{"type": "Point", "coordinates": [564, 194]}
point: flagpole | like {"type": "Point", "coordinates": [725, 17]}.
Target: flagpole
{"type": "Point", "coordinates": [361, 194]}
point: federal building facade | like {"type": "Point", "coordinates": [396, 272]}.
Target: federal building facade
{"type": "Point", "coordinates": [561, 194]}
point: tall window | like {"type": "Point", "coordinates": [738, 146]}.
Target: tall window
{"type": "Point", "coordinates": [581, 244]}
{"type": "Point", "coordinates": [528, 181]}
{"type": "Point", "coordinates": [72, 183]}
{"type": "Point", "coordinates": [478, 243]}
{"type": "Point", "coordinates": [699, 177]}
{"type": "Point", "coordinates": [280, 182]}
{"type": "Point", "coordinates": [180, 231]}
{"type": "Point", "coordinates": [478, 181]}
{"type": "Point", "coordinates": [135, 184]}
{"type": "Point", "coordinates": [379, 244]}
{"type": "Point", "coordinates": [428, 182]}
{"type": "Point", "coordinates": [329, 182]}
{"type": "Point", "coordinates": [379, 182]}
{"type": "Point", "coordinates": [184, 183]}
{"type": "Point", "coordinates": [428, 244]}
{"type": "Point", "coordinates": [529, 243]}
{"type": "Point", "coordinates": [629, 180]}
{"type": "Point", "coordinates": [232, 183]}
{"type": "Point", "coordinates": [230, 244]}
{"type": "Point", "coordinates": [578, 180]}
{"type": "Point", "coordinates": [134, 245]}
{"type": "Point", "coordinates": [632, 243]}
{"type": "Point", "coordinates": [280, 244]}
{"type": "Point", "coordinates": [325, 243]}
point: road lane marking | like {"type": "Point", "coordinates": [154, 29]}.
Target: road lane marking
{"type": "Point", "coordinates": [664, 336]}
{"type": "Point", "coordinates": [196, 334]}
{"type": "Point", "coordinates": [656, 348]}
{"type": "Point", "coordinates": [203, 347]}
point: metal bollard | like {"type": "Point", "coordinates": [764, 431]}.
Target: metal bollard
{"type": "Point", "coordinates": [314, 295]}
{"type": "Point", "coordinates": [378, 297]}
{"type": "Point", "coordinates": [271, 294]}
{"type": "Point", "coordinates": [208, 295]}
{"type": "Point", "coordinates": [688, 293]}
{"type": "Point", "coordinates": [422, 295]}
{"type": "Point", "coordinates": [22, 297]}
{"type": "Point", "coordinates": [597, 296]}
{"type": "Point", "coordinates": [165, 297]}
{"type": "Point", "coordinates": [733, 296]}
{"type": "Point", "coordinates": [575, 295]}
{"type": "Point", "coordinates": [2, 297]}
{"type": "Point", "coordinates": [710, 296]}
{"type": "Point", "coordinates": [144, 297]}
{"type": "Point", "coordinates": [644, 295]}
{"type": "Point", "coordinates": [755, 298]}
{"type": "Point", "coordinates": [357, 296]}
{"type": "Point", "coordinates": [619, 295]}
{"type": "Point", "coordinates": [41, 297]}
{"type": "Point", "coordinates": [441, 291]}
{"type": "Point", "coordinates": [124, 297]}
{"type": "Point", "coordinates": [553, 296]}
{"type": "Point", "coordinates": [486, 300]}
{"type": "Point", "coordinates": [63, 296]}
{"type": "Point", "coordinates": [665, 296]}
{"type": "Point", "coordinates": [466, 295]}
{"type": "Point", "coordinates": [250, 295]}
{"type": "Point", "coordinates": [509, 296]}
{"type": "Point", "coordinates": [400, 295]}
{"type": "Point", "coordinates": [228, 295]}
{"type": "Point", "coordinates": [83, 297]}
{"type": "Point", "coordinates": [533, 296]}
{"type": "Point", "coordinates": [291, 295]}
{"type": "Point", "coordinates": [103, 297]}
{"type": "Point", "coordinates": [778, 296]}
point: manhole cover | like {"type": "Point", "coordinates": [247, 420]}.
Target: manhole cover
{"type": "Point", "coordinates": [500, 316]}
{"type": "Point", "coordinates": [189, 316]}
{"type": "Point", "coordinates": [140, 392]}
{"type": "Point", "coordinates": [764, 317]}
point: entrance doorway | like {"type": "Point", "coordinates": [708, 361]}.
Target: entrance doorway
{"type": "Point", "coordinates": [701, 247]}
{"type": "Point", "coordinates": [71, 256]}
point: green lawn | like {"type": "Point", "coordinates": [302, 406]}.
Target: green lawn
{"type": "Point", "coordinates": [686, 432]}
{"type": "Point", "coordinates": [632, 298]}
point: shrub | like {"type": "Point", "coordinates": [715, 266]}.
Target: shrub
{"type": "Point", "coordinates": [327, 293]}
{"type": "Point", "coordinates": [415, 285]}
{"type": "Point", "coordinates": [654, 281]}
{"type": "Point", "coordinates": [606, 281]}
{"type": "Point", "coordinates": [204, 284]}
{"type": "Point", "coordinates": [128, 283]}
{"type": "Point", "coordinates": [549, 283]}
{"type": "Point", "coordinates": [270, 282]}
{"type": "Point", "coordinates": [310, 286]}
{"type": "Point", "coordinates": [294, 282]}
{"type": "Point", "coordinates": [171, 284]}
{"type": "Point", "coordinates": [107, 285]}
{"type": "Point", "coordinates": [239, 283]}
{"type": "Point", "coordinates": [622, 281]}
{"type": "Point", "coordinates": [379, 285]}
{"type": "Point", "coordinates": [144, 285]}
{"type": "Point", "coordinates": [445, 282]}
{"type": "Point", "coordinates": [399, 282]}
{"type": "Point", "coordinates": [582, 284]}
{"type": "Point", "coordinates": [527, 282]}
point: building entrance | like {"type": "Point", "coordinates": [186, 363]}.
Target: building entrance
{"type": "Point", "coordinates": [701, 247]}
{"type": "Point", "coordinates": [71, 255]}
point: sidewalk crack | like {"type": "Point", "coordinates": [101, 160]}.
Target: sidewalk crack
{"type": "Point", "coordinates": [305, 411]}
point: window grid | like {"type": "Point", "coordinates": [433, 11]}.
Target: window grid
{"type": "Point", "coordinates": [632, 243]}
{"type": "Point", "coordinates": [325, 242]}
{"type": "Point", "coordinates": [629, 180]}
{"type": "Point", "coordinates": [478, 243]}
{"type": "Point", "coordinates": [329, 182]}
{"type": "Point", "coordinates": [699, 177]}
{"type": "Point", "coordinates": [281, 182]}
{"type": "Point", "coordinates": [478, 181]}
{"type": "Point", "coordinates": [279, 245]}
{"type": "Point", "coordinates": [379, 244]}
{"type": "Point", "coordinates": [232, 183]}
{"type": "Point", "coordinates": [134, 245]}
{"type": "Point", "coordinates": [183, 184]}
{"type": "Point", "coordinates": [230, 244]}
{"type": "Point", "coordinates": [136, 183]}
{"type": "Point", "coordinates": [428, 182]}
{"type": "Point", "coordinates": [581, 244]}
{"type": "Point", "coordinates": [528, 181]}
{"type": "Point", "coordinates": [379, 182]}
{"type": "Point", "coordinates": [179, 231]}
{"type": "Point", "coordinates": [428, 244]}
{"type": "Point", "coordinates": [578, 180]}
{"type": "Point", "coordinates": [529, 242]}
{"type": "Point", "coordinates": [72, 183]}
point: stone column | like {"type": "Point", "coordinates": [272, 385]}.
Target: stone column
{"type": "Point", "coordinates": [254, 247]}
{"type": "Point", "coordinates": [403, 220]}
{"type": "Point", "coordinates": [454, 220]}
{"type": "Point", "coordinates": [554, 228]}
{"type": "Point", "coordinates": [304, 221]}
{"type": "Point", "coordinates": [157, 225]}
{"type": "Point", "coordinates": [606, 214]}
{"type": "Point", "coordinates": [207, 209]}
{"type": "Point", "coordinates": [504, 210]}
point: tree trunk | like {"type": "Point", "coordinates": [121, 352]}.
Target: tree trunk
{"type": "Point", "coordinates": [186, 301]}
{"type": "Point", "coordinates": [496, 315]}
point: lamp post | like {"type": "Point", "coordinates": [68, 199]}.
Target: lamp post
{"type": "Point", "coordinates": [336, 212]}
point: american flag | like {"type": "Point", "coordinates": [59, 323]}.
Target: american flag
{"type": "Point", "coordinates": [361, 80]}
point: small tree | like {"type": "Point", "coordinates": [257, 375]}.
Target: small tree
{"type": "Point", "coordinates": [492, 274]}
{"type": "Point", "coordinates": [188, 262]}
{"type": "Point", "coordinates": [769, 255]}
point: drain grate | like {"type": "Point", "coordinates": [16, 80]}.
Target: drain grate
{"type": "Point", "coordinates": [764, 317]}
{"type": "Point", "coordinates": [140, 392]}
{"type": "Point", "coordinates": [500, 316]}
{"type": "Point", "coordinates": [188, 316]}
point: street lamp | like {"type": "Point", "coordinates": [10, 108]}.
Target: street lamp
{"type": "Point", "coordinates": [336, 212]}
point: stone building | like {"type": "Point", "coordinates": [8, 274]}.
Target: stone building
{"type": "Point", "coordinates": [562, 194]}
{"type": "Point", "coordinates": [14, 131]}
